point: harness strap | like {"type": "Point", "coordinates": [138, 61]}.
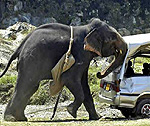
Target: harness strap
{"type": "Point", "coordinates": [66, 61]}
{"type": "Point", "coordinates": [70, 46]}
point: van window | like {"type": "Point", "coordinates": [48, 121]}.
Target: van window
{"type": "Point", "coordinates": [140, 66]}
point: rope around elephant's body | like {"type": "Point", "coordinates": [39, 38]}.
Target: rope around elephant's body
{"type": "Point", "coordinates": [70, 46]}
{"type": "Point", "coordinates": [66, 61]}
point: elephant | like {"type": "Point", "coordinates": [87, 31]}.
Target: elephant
{"type": "Point", "coordinates": [41, 50]}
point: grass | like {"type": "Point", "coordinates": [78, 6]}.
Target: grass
{"type": "Point", "coordinates": [101, 122]}
{"type": "Point", "coordinates": [42, 95]}
{"type": "Point", "coordinates": [94, 81]}
{"type": "Point", "coordinates": [8, 79]}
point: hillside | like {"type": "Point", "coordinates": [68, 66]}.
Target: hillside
{"type": "Point", "coordinates": [133, 15]}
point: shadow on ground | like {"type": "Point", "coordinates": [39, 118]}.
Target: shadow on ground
{"type": "Point", "coordinates": [86, 120]}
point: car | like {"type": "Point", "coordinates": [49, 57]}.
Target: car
{"type": "Point", "coordinates": [128, 87]}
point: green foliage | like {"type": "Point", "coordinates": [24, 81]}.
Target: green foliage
{"type": "Point", "coordinates": [6, 83]}
{"type": "Point", "coordinates": [42, 94]}
{"type": "Point", "coordinates": [138, 63]}
{"type": "Point", "coordinates": [94, 81]}
{"type": "Point", "coordinates": [8, 80]}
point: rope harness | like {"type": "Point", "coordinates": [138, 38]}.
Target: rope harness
{"type": "Point", "coordinates": [68, 54]}
{"type": "Point", "coordinates": [63, 65]}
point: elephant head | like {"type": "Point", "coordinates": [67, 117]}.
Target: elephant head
{"type": "Point", "coordinates": [105, 41]}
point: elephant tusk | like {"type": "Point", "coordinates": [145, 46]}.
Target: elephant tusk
{"type": "Point", "coordinates": [120, 51]}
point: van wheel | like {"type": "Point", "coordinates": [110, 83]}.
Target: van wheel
{"type": "Point", "coordinates": [143, 108]}
{"type": "Point", "coordinates": [127, 112]}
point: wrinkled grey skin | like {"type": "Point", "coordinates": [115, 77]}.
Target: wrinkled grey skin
{"type": "Point", "coordinates": [41, 50]}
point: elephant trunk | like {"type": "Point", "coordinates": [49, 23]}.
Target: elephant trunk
{"type": "Point", "coordinates": [120, 53]}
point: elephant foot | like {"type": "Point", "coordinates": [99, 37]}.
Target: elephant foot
{"type": "Point", "coordinates": [72, 111]}
{"type": "Point", "coordinates": [96, 117]}
{"type": "Point", "coordinates": [11, 118]}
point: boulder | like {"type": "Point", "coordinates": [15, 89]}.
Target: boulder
{"type": "Point", "coordinates": [18, 6]}
{"type": "Point", "coordinates": [124, 31]}
{"type": "Point", "coordinates": [76, 21]}
{"type": "Point", "coordinates": [10, 40]}
{"type": "Point", "coordinates": [136, 31]}
{"type": "Point", "coordinates": [147, 30]}
{"type": "Point", "coordinates": [49, 20]}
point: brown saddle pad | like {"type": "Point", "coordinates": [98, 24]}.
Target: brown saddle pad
{"type": "Point", "coordinates": [56, 85]}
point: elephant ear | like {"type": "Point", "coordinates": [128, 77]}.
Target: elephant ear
{"type": "Point", "coordinates": [92, 43]}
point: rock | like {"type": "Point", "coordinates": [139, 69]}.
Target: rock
{"type": "Point", "coordinates": [49, 20]}
{"type": "Point", "coordinates": [134, 20]}
{"type": "Point", "coordinates": [147, 30]}
{"type": "Point", "coordinates": [10, 40]}
{"type": "Point", "coordinates": [6, 88]}
{"type": "Point", "coordinates": [36, 21]}
{"type": "Point", "coordinates": [20, 26]}
{"type": "Point", "coordinates": [18, 6]}
{"type": "Point", "coordinates": [10, 21]}
{"type": "Point", "coordinates": [136, 31]}
{"type": "Point", "coordinates": [15, 31]}
{"type": "Point", "coordinates": [9, 5]}
{"type": "Point", "coordinates": [124, 31]}
{"type": "Point", "coordinates": [76, 21]}
{"type": "Point", "coordinates": [25, 17]}
{"type": "Point", "coordinates": [119, 14]}
{"type": "Point", "coordinates": [2, 10]}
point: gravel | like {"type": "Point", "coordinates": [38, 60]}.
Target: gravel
{"type": "Point", "coordinates": [44, 112]}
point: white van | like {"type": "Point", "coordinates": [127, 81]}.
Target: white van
{"type": "Point", "coordinates": [129, 91]}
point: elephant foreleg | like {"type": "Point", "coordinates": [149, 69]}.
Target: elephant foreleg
{"type": "Point", "coordinates": [88, 100]}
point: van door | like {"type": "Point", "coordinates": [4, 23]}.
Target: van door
{"type": "Point", "coordinates": [135, 85]}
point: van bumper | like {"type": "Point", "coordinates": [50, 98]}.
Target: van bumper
{"type": "Point", "coordinates": [112, 101]}
{"type": "Point", "coordinates": [119, 100]}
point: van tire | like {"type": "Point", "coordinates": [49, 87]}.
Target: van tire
{"type": "Point", "coordinates": [127, 112]}
{"type": "Point", "coordinates": [143, 108]}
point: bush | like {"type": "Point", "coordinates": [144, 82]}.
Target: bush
{"type": "Point", "coordinates": [6, 84]}
{"type": "Point", "coordinates": [8, 80]}
{"type": "Point", "coordinates": [42, 96]}
{"type": "Point", "coordinates": [94, 81]}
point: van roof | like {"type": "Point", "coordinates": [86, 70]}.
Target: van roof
{"type": "Point", "coordinates": [138, 44]}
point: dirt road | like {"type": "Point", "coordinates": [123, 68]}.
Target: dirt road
{"type": "Point", "coordinates": [40, 116]}
{"type": "Point", "coordinates": [44, 112]}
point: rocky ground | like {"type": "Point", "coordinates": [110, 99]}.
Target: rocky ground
{"type": "Point", "coordinates": [10, 39]}
{"type": "Point", "coordinates": [44, 112]}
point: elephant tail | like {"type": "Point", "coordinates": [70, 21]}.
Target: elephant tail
{"type": "Point", "coordinates": [14, 56]}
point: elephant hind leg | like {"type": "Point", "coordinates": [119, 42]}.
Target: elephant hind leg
{"type": "Point", "coordinates": [24, 89]}
{"type": "Point", "coordinates": [76, 89]}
